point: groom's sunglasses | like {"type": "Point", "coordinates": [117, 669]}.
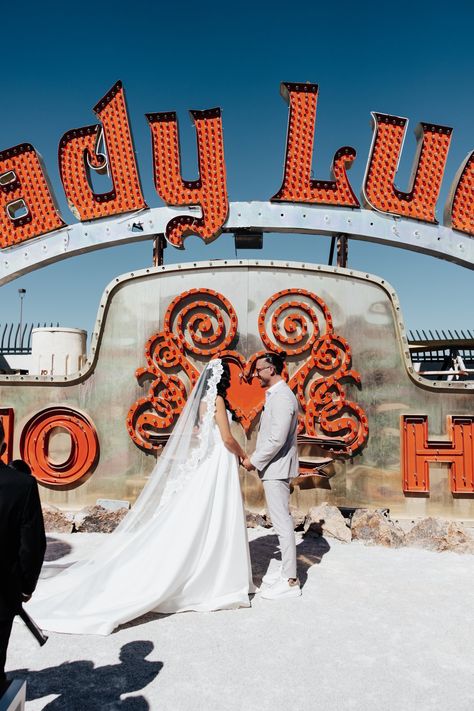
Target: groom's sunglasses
{"type": "Point", "coordinates": [257, 371]}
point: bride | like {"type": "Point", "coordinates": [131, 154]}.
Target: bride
{"type": "Point", "coordinates": [183, 546]}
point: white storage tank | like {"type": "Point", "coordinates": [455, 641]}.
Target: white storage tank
{"type": "Point", "coordinates": [57, 351]}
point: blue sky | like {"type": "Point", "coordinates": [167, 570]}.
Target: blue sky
{"type": "Point", "coordinates": [413, 60]}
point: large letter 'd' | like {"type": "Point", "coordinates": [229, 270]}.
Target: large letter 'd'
{"type": "Point", "coordinates": [104, 149]}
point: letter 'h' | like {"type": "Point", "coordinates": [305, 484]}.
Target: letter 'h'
{"type": "Point", "coordinates": [417, 452]}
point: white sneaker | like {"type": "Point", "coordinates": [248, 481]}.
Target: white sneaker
{"type": "Point", "coordinates": [280, 589]}
{"type": "Point", "coordinates": [272, 575]}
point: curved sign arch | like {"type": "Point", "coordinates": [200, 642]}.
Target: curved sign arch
{"type": "Point", "coordinates": [434, 240]}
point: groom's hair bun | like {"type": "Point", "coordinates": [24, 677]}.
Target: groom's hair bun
{"type": "Point", "coordinates": [277, 360]}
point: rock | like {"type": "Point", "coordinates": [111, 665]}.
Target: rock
{"type": "Point", "coordinates": [436, 534]}
{"type": "Point", "coordinates": [298, 518]}
{"type": "Point", "coordinates": [258, 518]}
{"type": "Point", "coordinates": [375, 527]}
{"type": "Point", "coordinates": [251, 519]}
{"type": "Point", "coordinates": [113, 504]}
{"type": "Point", "coordinates": [327, 520]}
{"type": "Point", "coordinates": [262, 518]}
{"type": "Point", "coordinates": [56, 521]}
{"type": "Point", "coordinates": [96, 519]}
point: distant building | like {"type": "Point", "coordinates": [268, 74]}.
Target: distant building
{"type": "Point", "coordinates": [429, 352]}
{"type": "Point", "coordinates": [52, 350]}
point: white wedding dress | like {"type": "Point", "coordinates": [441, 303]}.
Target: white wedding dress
{"type": "Point", "coordinates": [182, 547]}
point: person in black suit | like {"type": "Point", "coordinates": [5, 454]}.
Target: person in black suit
{"type": "Point", "coordinates": [22, 546]}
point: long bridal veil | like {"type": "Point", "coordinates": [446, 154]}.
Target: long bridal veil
{"type": "Point", "coordinates": [189, 444]}
{"type": "Point", "coordinates": [151, 561]}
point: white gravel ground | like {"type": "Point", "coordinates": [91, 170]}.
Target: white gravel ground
{"type": "Point", "coordinates": [375, 630]}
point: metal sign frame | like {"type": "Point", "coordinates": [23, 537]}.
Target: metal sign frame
{"type": "Point", "coordinates": [365, 225]}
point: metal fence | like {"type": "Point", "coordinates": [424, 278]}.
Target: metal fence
{"type": "Point", "coordinates": [433, 347]}
{"type": "Point", "coordinates": [443, 336]}
{"type": "Point", "coordinates": [430, 353]}
{"type": "Point", "coordinates": [15, 339]}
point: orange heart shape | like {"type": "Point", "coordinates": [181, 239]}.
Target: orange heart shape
{"type": "Point", "coordinates": [245, 398]}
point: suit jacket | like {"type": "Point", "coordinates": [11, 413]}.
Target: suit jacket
{"type": "Point", "coordinates": [22, 538]}
{"type": "Point", "coordinates": [276, 452]}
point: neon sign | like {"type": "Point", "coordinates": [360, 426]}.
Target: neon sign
{"type": "Point", "coordinates": [28, 208]}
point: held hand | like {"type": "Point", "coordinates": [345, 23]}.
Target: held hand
{"type": "Point", "coordinates": [247, 464]}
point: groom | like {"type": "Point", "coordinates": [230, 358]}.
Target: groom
{"type": "Point", "coordinates": [276, 460]}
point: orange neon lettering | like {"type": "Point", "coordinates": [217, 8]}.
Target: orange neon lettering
{"type": "Point", "coordinates": [460, 209]}
{"type": "Point", "coordinates": [34, 446]}
{"type": "Point", "coordinates": [28, 208]}
{"type": "Point", "coordinates": [418, 452]}
{"type": "Point", "coordinates": [379, 188]}
{"type": "Point", "coordinates": [7, 419]}
{"type": "Point", "coordinates": [297, 183]}
{"type": "Point", "coordinates": [27, 205]}
{"type": "Point", "coordinates": [80, 152]}
{"type": "Point", "coordinates": [209, 191]}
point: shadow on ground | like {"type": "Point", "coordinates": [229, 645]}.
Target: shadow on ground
{"type": "Point", "coordinates": [142, 620]}
{"type": "Point", "coordinates": [80, 686]}
{"type": "Point", "coordinates": [309, 552]}
{"type": "Point", "coordinates": [56, 549]}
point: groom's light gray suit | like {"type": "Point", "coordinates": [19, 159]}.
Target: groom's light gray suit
{"type": "Point", "coordinates": [276, 460]}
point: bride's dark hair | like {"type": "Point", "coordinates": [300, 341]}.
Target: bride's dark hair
{"type": "Point", "coordinates": [222, 387]}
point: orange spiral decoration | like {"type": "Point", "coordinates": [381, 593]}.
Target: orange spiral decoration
{"type": "Point", "coordinates": [295, 324]}
{"type": "Point", "coordinates": [197, 319]}
{"type": "Point", "coordinates": [163, 350]}
{"type": "Point", "coordinates": [149, 417]}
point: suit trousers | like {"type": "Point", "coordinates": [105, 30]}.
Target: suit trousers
{"type": "Point", "coordinates": [5, 631]}
{"type": "Point", "coordinates": [277, 495]}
